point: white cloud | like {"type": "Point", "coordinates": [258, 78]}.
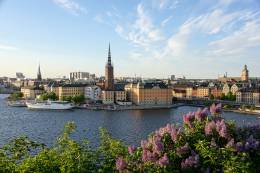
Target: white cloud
{"type": "Point", "coordinates": [142, 31]}
{"type": "Point", "coordinates": [71, 6]}
{"type": "Point", "coordinates": [165, 4]}
{"type": "Point", "coordinates": [166, 20]}
{"type": "Point", "coordinates": [239, 42]}
{"type": "Point", "coordinates": [7, 47]}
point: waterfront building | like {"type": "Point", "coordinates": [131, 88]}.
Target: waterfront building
{"type": "Point", "coordinates": [216, 92]}
{"type": "Point", "coordinates": [31, 92]}
{"type": "Point", "coordinates": [93, 93]}
{"type": "Point", "coordinates": [203, 92]}
{"type": "Point", "coordinates": [149, 93]}
{"type": "Point", "coordinates": [248, 96]}
{"type": "Point", "coordinates": [245, 74]}
{"type": "Point", "coordinates": [70, 90]}
{"type": "Point", "coordinates": [120, 95]}
{"type": "Point", "coordinates": [108, 97]}
{"type": "Point", "coordinates": [226, 88]}
{"type": "Point", "coordinates": [109, 73]}
{"type": "Point", "coordinates": [179, 93]}
{"type": "Point", "coordinates": [236, 87]}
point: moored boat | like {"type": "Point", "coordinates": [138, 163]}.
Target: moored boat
{"type": "Point", "coordinates": [20, 103]}
{"type": "Point", "coordinates": [50, 105]}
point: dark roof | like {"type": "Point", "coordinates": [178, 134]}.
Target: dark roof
{"type": "Point", "coordinates": [119, 86]}
{"type": "Point", "coordinates": [149, 85]}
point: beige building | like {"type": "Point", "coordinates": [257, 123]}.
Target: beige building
{"type": "Point", "coordinates": [226, 88]}
{"type": "Point", "coordinates": [120, 96]}
{"type": "Point", "coordinates": [108, 97]}
{"type": "Point", "coordinates": [248, 96]}
{"type": "Point", "coordinates": [203, 92]}
{"type": "Point", "coordinates": [68, 90]}
{"type": "Point", "coordinates": [149, 93]}
{"type": "Point", "coordinates": [31, 92]}
{"type": "Point", "coordinates": [178, 93]}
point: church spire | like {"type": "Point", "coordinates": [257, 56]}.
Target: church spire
{"type": "Point", "coordinates": [109, 55]}
{"type": "Point", "coordinates": [39, 75]}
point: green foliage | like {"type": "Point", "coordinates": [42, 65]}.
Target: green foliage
{"type": "Point", "coordinates": [48, 96]}
{"type": "Point", "coordinates": [78, 99]}
{"type": "Point", "coordinates": [16, 96]}
{"type": "Point", "coordinates": [75, 99]}
{"type": "Point", "coordinates": [211, 97]}
{"type": "Point", "coordinates": [228, 97]}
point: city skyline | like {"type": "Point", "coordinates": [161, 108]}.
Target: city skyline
{"type": "Point", "coordinates": [148, 38]}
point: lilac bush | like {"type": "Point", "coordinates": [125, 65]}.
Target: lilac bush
{"type": "Point", "coordinates": [205, 143]}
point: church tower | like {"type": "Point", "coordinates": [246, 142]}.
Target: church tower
{"type": "Point", "coordinates": [39, 75]}
{"type": "Point", "coordinates": [245, 74]}
{"type": "Point", "coordinates": [109, 73]}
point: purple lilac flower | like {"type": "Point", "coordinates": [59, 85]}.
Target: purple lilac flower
{"type": "Point", "coordinates": [120, 164]}
{"type": "Point", "coordinates": [216, 109]}
{"type": "Point", "coordinates": [157, 144]}
{"type": "Point", "coordinates": [183, 150]}
{"type": "Point", "coordinates": [144, 144]}
{"type": "Point", "coordinates": [175, 133]}
{"type": "Point", "coordinates": [231, 143]}
{"type": "Point", "coordinates": [191, 161]}
{"type": "Point", "coordinates": [131, 149]}
{"type": "Point", "coordinates": [163, 161]}
{"type": "Point", "coordinates": [188, 118]}
{"type": "Point", "coordinates": [201, 114]}
{"type": "Point", "coordinates": [148, 156]}
{"type": "Point", "coordinates": [209, 127]}
{"type": "Point", "coordinates": [222, 129]}
{"type": "Point", "coordinates": [251, 143]}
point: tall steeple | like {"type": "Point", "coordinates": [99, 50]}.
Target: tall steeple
{"type": "Point", "coordinates": [39, 75]}
{"type": "Point", "coordinates": [109, 73]}
{"type": "Point", "coordinates": [109, 55]}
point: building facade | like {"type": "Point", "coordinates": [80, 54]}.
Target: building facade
{"type": "Point", "coordinates": [93, 93]}
{"type": "Point", "coordinates": [248, 96]}
{"type": "Point", "coordinates": [31, 92]}
{"type": "Point", "coordinates": [146, 93]}
{"type": "Point", "coordinates": [70, 90]}
{"type": "Point", "coordinates": [108, 97]}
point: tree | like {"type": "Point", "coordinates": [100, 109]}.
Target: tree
{"type": "Point", "coordinates": [16, 95]}
{"type": "Point", "coordinates": [49, 96]}
{"type": "Point", "coordinates": [211, 97]}
{"type": "Point", "coordinates": [78, 99]}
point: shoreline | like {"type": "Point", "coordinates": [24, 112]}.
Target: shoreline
{"type": "Point", "coordinates": [241, 112]}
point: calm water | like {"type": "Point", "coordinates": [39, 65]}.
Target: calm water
{"type": "Point", "coordinates": [129, 126]}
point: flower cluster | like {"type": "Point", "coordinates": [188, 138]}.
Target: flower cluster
{"type": "Point", "coordinates": [191, 161]}
{"type": "Point", "coordinates": [219, 126]}
{"type": "Point", "coordinates": [173, 148]}
{"type": "Point", "coordinates": [216, 109]}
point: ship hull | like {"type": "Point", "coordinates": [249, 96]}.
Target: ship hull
{"type": "Point", "coordinates": [46, 106]}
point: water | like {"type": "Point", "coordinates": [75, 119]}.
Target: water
{"type": "Point", "coordinates": [129, 126]}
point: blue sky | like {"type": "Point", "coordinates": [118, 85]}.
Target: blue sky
{"type": "Point", "coordinates": [149, 38]}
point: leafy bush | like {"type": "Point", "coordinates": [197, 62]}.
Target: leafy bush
{"type": "Point", "coordinates": [49, 96]}
{"type": "Point", "coordinates": [205, 143]}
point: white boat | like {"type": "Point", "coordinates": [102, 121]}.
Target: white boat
{"type": "Point", "coordinates": [16, 103]}
{"type": "Point", "coordinates": [50, 105]}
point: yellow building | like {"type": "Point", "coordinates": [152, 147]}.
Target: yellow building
{"type": "Point", "coordinates": [203, 92]}
{"type": "Point", "coordinates": [120, 95]}
{"type": "Point", "coordinates": [149, 93]}
{"type": "Point", "coordinates": [70, 90]}
{"type": "Point", "coordinates": [31, 92]}
{"type": "Point", "coordinates": [108, 97]}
